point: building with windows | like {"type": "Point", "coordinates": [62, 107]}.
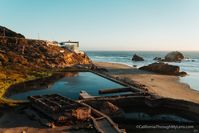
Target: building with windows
{"type": "Point", "coordinates": [70, 45]}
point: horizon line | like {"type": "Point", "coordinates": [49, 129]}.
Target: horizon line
{"type": "Point", "coordinates": [141, 50]}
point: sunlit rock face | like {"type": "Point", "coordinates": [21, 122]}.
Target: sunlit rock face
{"type": "Point", "coordinates": [16, 49]}
{"type": "Point", "coordinates": [164, 68]}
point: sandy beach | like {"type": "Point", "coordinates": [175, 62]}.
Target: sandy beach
{"type": "Point", "coordinates": [162, 85]}
{"type": "Point", "coordinates": [99, 67]}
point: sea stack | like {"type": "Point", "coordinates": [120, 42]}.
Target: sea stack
{"type": "Point", "coordinates": [137, 58]}
{"type": "Point", "coordinates": [174, 56]}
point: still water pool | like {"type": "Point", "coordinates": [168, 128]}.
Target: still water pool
{"type": "Point", "coordinates": [71, 85]}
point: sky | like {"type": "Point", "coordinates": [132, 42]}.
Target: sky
{"type": "Point", "coordinates": [146, 25]}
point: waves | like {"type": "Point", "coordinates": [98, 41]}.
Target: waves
{"type": "Point", "coordinates": [189, 65]}
{"type": "Point", "coordinates": [110, 57]}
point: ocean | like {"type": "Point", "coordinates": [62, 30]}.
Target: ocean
{"type": "Point", "coordinates": [190, 64]}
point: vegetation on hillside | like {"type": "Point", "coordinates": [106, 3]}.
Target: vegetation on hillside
{"type": "Point", "coordinates": [23, 60]}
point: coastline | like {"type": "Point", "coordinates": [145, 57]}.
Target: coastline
{"type": "Point", "coordinates": [161, 85]}
{"type": "Point", "coordinates": [115, 70]}
{"type": "Point", "coordinates": [189, 64]}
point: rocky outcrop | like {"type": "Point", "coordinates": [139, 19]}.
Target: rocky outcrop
{"type": "Point", "coordinates": [158, 59]}
{"type": "Point", "coordinates": [164, 68]}
{"type": "Point", "coordinates": [137, 58]}
{"type": "Point", "coordinates": [9, 33]}
{"type": "Point", "coordinates": [174, 57]}
{"type": "Point", "coordinates": [3, 59]}
{"type": "Point", "coordinates": [37, 53]}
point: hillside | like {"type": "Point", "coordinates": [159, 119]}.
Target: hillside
{"type": "Point", "coordinates": [38, 53]}
{"type": "Point", "coordinates": [24, 59]}
{"type": "Point", "coordinates": [9, 33]}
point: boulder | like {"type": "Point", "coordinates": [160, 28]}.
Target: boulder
{"type": "Point", "coordinates": [157, 58]}
{"type": "Point", "coordinates": [174, 57]}
{"type": "Point", "coordinates": [182, 74]}
{"type": "Point", "coordinates": [137, 58]}
{"type": "Point", "coordinates": [164, 68]}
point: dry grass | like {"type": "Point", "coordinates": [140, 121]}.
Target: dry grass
{"type": "Point", "coordinates": [11, 75]}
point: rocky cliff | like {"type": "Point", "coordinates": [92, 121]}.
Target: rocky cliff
{"type": "Point", "coordinates": [38, 53]}
{"type": "Point", "coordinates": [22, 60]}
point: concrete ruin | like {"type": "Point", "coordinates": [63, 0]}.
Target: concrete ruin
{"type": "Point", "coordinates": [62, 111]}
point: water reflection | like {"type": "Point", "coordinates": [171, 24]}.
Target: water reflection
{"type": "Point", "coordinates": [38, 84]}
{"type": "Point", "coordinates": [67, 84]}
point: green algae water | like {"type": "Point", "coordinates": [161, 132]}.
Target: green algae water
{"type": "Point", "coordinates": [71, 85]}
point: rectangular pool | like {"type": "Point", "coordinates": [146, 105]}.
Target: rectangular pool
{"type": "Point", "coordinates": [71, 85]}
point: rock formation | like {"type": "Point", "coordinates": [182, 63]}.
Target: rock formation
{"type": "Point", "coordinates": [137, 58]}
{"type": "Point", "coordinates": [174, 57]}
{"type": "Point", "coordinates": [158, 58]}
{"type": "Point", "coordinates": [164, 68]}
{"type": "Point", "coordinates": [38, 53]}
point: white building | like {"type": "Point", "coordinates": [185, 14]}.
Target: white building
{"type": "Point", "coordinates": [70, 45]}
